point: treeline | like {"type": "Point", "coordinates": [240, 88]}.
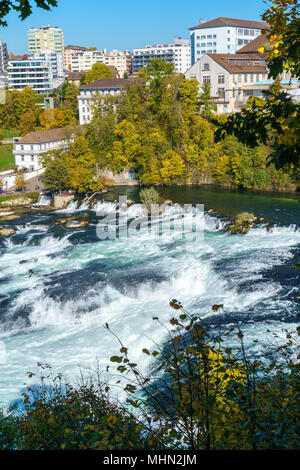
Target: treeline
{"type": "Point", "coordinates": [163, 130]}
{"type": "Point", "coordinates": [200, 395]}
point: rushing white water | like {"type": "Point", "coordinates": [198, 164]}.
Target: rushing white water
{"type": "Point", "coordinates": [43, 201]}
{"type": "Point", "coordinates": [60, 288]}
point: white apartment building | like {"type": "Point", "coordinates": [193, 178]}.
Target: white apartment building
{"type": "Point", "coordinates": [35, 74]}
{"type": "Point", "coordinates": [28, 149]}
{"type": "Point", "coordinates": [177, 54]}
{"type": "Point", "coordinates": [222, 36]}
{"type": "Point", "coordinates": [83, 61]}
{"type": "Point", "coordinates": [108, 86]}
{"type": "Point", "coordinates": [56, 65]}
{"type": "Point", "coordinates": [43, 71]}
{"type": "Point", "coordinates": [46, 37]}
{"type": "Point", "coordinates": [69, 52]}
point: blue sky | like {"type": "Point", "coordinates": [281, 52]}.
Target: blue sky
{"type": "Point", "coordinates": [120, 24]}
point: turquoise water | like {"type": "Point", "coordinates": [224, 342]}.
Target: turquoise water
{"type": "Point", "coordinates": [59, 287]}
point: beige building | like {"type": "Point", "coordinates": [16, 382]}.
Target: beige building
{"type": "Point", "coordinates": [122, 61]}
{"type": "Point", "coordinates": [46, 38]}
{"type": "Point", "coordinates": [83, 61]}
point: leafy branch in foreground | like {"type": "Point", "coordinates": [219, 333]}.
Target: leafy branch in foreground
{"type": "Point", "coordinates": [23, 7]}
{"type": "Point", "coordinates": [200, 394]}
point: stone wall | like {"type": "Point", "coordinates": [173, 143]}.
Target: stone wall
{"type": "Point", "coordinates": [61, 201]}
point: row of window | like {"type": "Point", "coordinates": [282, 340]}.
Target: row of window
{"type": "Point", "coordinates": [221, 78]}
{"type": "Point", "coordinates": [209, 36]}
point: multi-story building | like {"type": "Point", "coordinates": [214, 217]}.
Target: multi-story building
{"type": "Point", "coordinates": [42, 71]}
{"type": "Point", "coordinates": [222, 36]}
{"type": "Point", "coordinates": [28, 149]}
{"type": "Point", "coordinates": [69, 52]}
{"type": "Point", "coordinates": [30, 73]}
{"type": "Point", "coordinates": [83, 61]}
{"type": "Point", "coordinates": [3, 57]}
{"type": "Point", "coordinates": [46, 37]}
{"type": "Point", "coordinates": [121, 60]}
{"type": "Point", "coordinates": [177, 53]}
{"type": "Point", "coordinates": [56, 65]}
{"type": "Point", "coordinates": [88, 93]}
{"type": "Point", "coordinates": [233, 78]}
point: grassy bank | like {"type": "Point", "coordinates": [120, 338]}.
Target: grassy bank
{"type": "Point", "coordinates": [6, 157]}
{"type": "Point", "coordinates": [19, 199]}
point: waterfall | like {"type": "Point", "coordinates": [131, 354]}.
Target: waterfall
{"type": "Point", "coordinates": [43, 201]}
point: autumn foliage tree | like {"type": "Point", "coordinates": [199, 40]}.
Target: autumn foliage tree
{"type": "Point", "coordinates": [163, 128]}
{"type": "Point", "coordinates": [98, 72]}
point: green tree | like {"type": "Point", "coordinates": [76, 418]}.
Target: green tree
{"type": "Point", "coordinates": [98, 72]}
{"type": "Point", "coordinates": [207, 106]}
{"type": "Point", "coordinates": [27, 122]}
{"type": "Point", "coordinates": [23, 7]}
{"type": "Point", "coordinates": [56, 176]}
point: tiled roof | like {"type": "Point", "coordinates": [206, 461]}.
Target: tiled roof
{"type": "Point", "coordinates": [254, 45]}
{"type": "Point", "coordinates": [75, 75]}
{"type": "Point", "coordinates": [246, 67]}
{"type": "Point", "coordinates": [106, 83]}
{"type": "Point", "coordinates": [42, 137]}
{"type": "Point", "coordinates": [80, 48]}
{"type": "Point", "coordinates": [221, 21]}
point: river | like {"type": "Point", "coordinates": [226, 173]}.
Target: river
{"type": "Point", "coordinates": [58, 287]}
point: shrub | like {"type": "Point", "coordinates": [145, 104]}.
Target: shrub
{"type": "Point", "coordinates": [149, 197]}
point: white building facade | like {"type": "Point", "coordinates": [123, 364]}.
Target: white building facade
{"type": "Point", "coordinates": [177, 54]}
{"type": "Point", "coordinates": [83, 61]}
{"type": "Point", "coordinates": [27, 150]}
{"type": "Point", "coordinates": [232, 78]}
{"type": "Point", "coordinates": [55, 62]}
{"type": "Point", "coordinates": [101, 88]}
{"type": "Point", "coordinates": [222, 36]}
{"type": "Point", "coordinates": [42, 71]}
{"type": "Point", "coordinates": [35, 74]}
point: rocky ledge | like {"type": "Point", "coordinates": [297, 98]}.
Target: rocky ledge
{"type": "Point", "coordinates": [242, 223]}
{"type": "Point", "coordinates": [6, 232]}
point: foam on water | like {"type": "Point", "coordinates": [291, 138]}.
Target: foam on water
{"type": "Point", "coordinates": [126, 283]}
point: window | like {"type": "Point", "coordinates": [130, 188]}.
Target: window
{"type": "Point", "coordinates": [206, 67]}
{"type": "Point", "coordinates": [246, 32]}
{"type": "Point", "coordinates": [239, 79]}
{"type": "Point", "coordinates": [221, 93]}
{"type": "Point", "coordinates": [240, 32]}
{"type": "Point", "coordinates": [221, 79]}
{"type": "Point", "coordinates": [206, 79]}
{"type": "Point", "coordinates": [32, 158]}
{"type": "Point", "coordinates": [22, 158]}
